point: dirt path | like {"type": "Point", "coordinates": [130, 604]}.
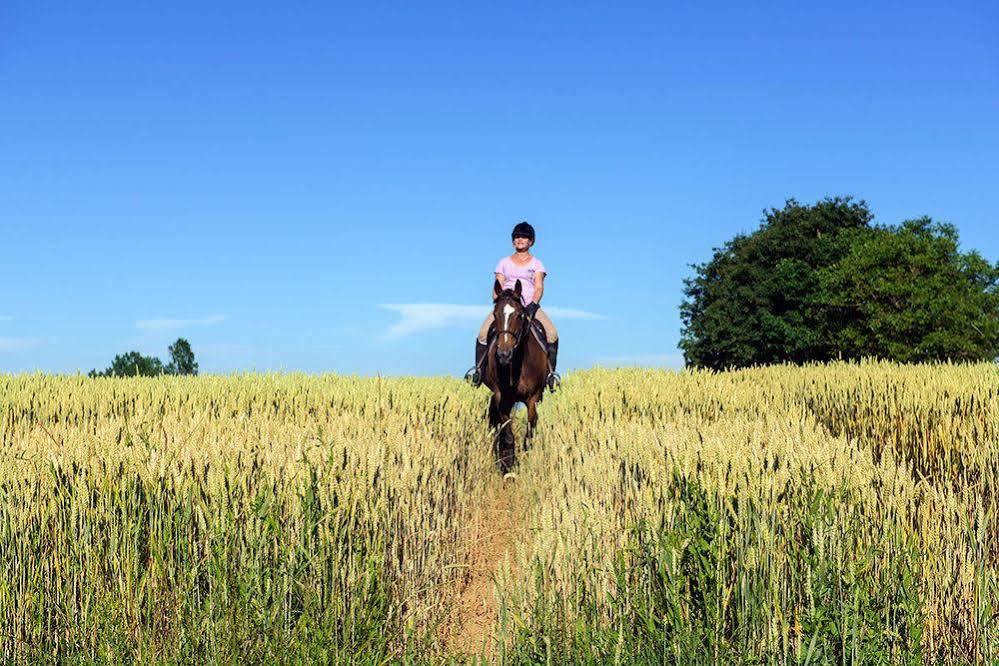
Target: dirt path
{"type": "Point", "coordinates": [493, 535]}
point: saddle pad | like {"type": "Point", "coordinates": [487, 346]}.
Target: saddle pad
{"type": "Point", "coordinates": [539, 333]}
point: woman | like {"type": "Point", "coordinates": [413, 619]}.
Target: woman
{"type": "Point", "coordinates": [527, 268]}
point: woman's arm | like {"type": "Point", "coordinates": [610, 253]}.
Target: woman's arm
{"type": "Point", "coordinates": [539, 286]}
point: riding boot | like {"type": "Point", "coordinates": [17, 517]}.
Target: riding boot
{"type": "Point", "coordinates": [474, 376]}
{"type": "Point", "coordinates": [553, 379]}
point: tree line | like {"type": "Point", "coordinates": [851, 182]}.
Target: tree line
{"type": "Point", "coordinates": [823, 282]}
{"type": "Point", "coordinates": [134, 364]}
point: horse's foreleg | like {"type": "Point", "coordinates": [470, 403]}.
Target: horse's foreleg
{"type": "Point", "coordinates": [504, 443]}
{"type": "Point", "coordinates": [532, 420]}
{"type": "Point", "coordinates": [494, 424]}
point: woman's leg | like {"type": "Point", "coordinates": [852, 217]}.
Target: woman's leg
{"type": "Point", "coordinates": [550, 331]}
{"type": "Point", "coordinates": [474, 375]}
{"type": "Point", "coordinates": [552, 334]}
{"type": "Point", "coordinates": [484, 329]}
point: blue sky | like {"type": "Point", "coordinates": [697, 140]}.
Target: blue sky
{"type": "Point", "coordinates": [289, 184]}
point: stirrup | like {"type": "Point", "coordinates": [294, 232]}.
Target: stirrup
{"type": "Point", "coordinates": [553, 381]}
{"type": "Point", "coordinates": [473, 376]}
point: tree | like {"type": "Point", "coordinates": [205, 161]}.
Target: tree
{"type": "Point", "coordinates": [181, 359]}
{"type": "Point", "coordinates": [131, 364]}
{"type": "Point", "coordinates": [816, 283]}
{"type": "Point", "coordinates": [906, 293]}
{"type": "Point", "coordinates": [755, 301]}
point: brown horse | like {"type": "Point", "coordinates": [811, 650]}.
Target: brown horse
{"type": "Point", "coordinates": [516, 367]}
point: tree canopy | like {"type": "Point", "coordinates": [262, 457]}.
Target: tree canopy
{"type": "Point", "coordinates": [907, 293]}
{"type": "Point", "coordinates": [820, 282]}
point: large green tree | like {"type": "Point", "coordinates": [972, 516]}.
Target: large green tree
{"type": "Point", "coordinates": [181, 359]}
{"type": "Point", "coordinates": [755, 301]}
{"type": "Point", "coordinates": [820, 282]}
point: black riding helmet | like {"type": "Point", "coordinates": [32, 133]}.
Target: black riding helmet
{"type": "Point", "coordinates": [523, 229]}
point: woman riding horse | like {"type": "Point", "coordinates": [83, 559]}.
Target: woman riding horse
{"type": "Point", "coordinates": [527, 268]}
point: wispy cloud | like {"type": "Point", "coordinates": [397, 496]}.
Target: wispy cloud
{"type": "Point", "coordinates": [169, 324]}
{"type": "Point", "coordinates": [17, 344]}
{"type": "Point", "coordinates": [672, 360]}
{"type": "Point", "coordinates": [222, 348]}
{"type": "Point", "coordinates": [416, 317]}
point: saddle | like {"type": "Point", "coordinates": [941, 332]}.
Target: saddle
{"type": "Point", "coordinates": [537, 329]}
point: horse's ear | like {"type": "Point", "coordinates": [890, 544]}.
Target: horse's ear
{"type": "Point", "coordinates": [517, 289]}
{"type": "Point", "coordinates": [497, 289]}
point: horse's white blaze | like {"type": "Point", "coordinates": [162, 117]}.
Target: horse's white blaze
{"type": "Point", "coordinates": [507, 311]}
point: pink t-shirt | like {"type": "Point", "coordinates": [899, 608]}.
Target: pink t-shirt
{"type": "Point", "coordinates": [512, 272]}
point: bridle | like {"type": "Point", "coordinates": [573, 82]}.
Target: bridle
{"type": "Point", "coordinates": [525, 325]}
{"type": "Point", "coordinates": [519, 336]}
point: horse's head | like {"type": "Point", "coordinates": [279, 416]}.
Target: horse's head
{"type": "Point", "coordinates": [508, 311]}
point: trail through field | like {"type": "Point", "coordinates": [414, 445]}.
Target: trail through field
{"type": "Point", "coordinates": [492, 537]}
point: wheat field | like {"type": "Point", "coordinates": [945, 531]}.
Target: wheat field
{"type": "Point", "coordinates": [841, 513]}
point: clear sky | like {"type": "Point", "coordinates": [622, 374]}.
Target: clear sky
{"type": "Point", "coordinates": [289, 184]}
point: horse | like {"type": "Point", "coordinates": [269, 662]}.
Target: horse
{"type": "Point", "coordinates": [516, 366]}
